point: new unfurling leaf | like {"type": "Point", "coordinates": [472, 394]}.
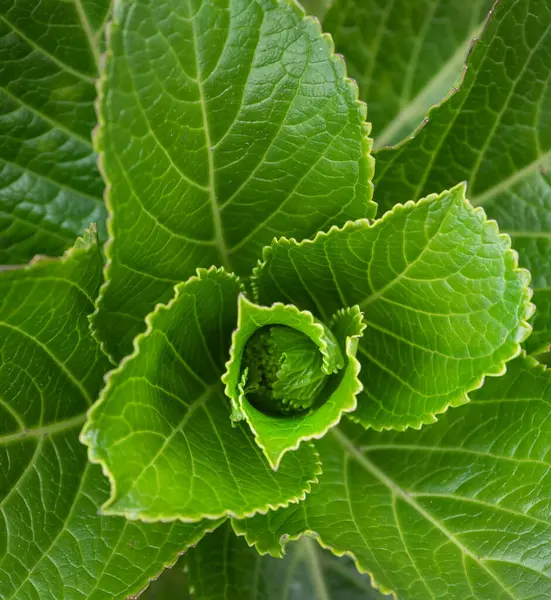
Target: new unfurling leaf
{"type": "Point", "coordinates": [290, 376]}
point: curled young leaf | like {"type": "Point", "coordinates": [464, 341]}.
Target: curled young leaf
{"type": "Point", "coordinates": [290, 376]}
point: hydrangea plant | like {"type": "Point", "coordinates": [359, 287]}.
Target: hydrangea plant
{"type": "Point", "coordinates": [303, 356]}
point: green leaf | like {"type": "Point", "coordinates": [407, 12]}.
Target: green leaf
{"type": "Point", "coordinates": [312, 363]}
{"type": "Point", "coordinates": [53, 544]}
{"type": "Point", "coordinates": [443, 300]}
{"type": "Point", "coordinates": [224, 567]}
{"type": "Point", "coordinates": [50, 188]}
{"type": "Point", "coordinates": [406, 56]}
{"type": "Point", "coordinates": [496, 137]}
{"type": "Point", "coordinates": [457, 510]}
{"type": "Point", "coordinates": [202, 172]}
{"type": "Point", "coordinates": [162, 430]}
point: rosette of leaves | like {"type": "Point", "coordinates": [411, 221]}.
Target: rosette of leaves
{"type": "Point", "coordinates": [267, 356]}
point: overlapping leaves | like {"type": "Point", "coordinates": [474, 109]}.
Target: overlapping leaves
{"type": "Point", "coordinates": [51, 372]}
{"type": "Point", "coordinates": [224, 123]}
{"type": "Point", "coordinates": [444, 302]}
{"type": "Point", "coordinates": [162, 427]}
{"type": "Point", "coordinates": [495, 133]}
{"type": "Point", "coordinates": [406, 56]}
{"type": "Point", "coordinates": [459, 509]}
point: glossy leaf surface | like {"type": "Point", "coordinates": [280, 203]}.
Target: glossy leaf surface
{"type": "Point", "coordinates": [495, 133]}
{"type": "Point", "coordinates": [50, 188]}
{"type": "Point", "coordinates": [458, 510]}
{"type": "Point", "coordinates": [224, 123]}
{"type": "Point", "coordinates": [53, 543]}
{"type": "Point", "coordinates": [443, 300]}
{"type": "Point", "coordinates": [162, 427]}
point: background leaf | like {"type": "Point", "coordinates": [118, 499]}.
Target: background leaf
{"type": "Point", "coordinates": [162, 427]}
{"type": "Point", "coordinates": [405, 56]}
{"type": "Point", "coordinates": [50, 188]}
{"type": "Point", "coordinates": [443, 301]}
{"type": "Point", "coordinates": [458, 510]}
{"type": "Point", "coordinates": [224, 123]}
{"type": "Point", "coordinates": [53, 544]}
{"type": "Point", "coordinates": [497, 136]}
{"type": "Point", "coordinates": [224, 567]}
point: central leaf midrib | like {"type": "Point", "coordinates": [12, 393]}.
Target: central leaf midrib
{"type": "Point", "coordinates": [42, 430]}
{"type": "Point", "coordinates": [350, 448]}
{"type": "Point", "coordinates": [217, 220]}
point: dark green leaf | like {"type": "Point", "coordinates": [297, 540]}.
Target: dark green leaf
{"type": "Point", "coordinates": [50, 188]}
{"type": "Point", "coordinates": [406, 55]}
{"type": "Point", "coordinates": [224, 567]}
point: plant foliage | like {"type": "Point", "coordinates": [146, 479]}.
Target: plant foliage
{"type": "Point", "coordinates": [306, 393]}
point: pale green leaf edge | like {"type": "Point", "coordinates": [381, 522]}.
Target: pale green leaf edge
{"type": "Point", "coordinates": [237, 395]}
{"type": "Point", "coordinates": [94, 459]}
{"type": "Point", "coordinates": [96, 135]}
{"type": "Point", "coordinates": [524, 328]}
{"type": "Point", "coordinates": [285, 538]}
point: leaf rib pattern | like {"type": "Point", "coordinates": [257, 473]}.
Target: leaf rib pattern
{"type": "Point", "coordinates": [162, 430]}
{"type": "Point", "coordinates": [50, 370]}
{"type": "Point", "coordinates": [457, 510]}
{"type": "Point", "coordinates": [405, 56]}
{"type": "Point", "coordinates": [209, 172]}
{"type": "Point", "coordinates": [50, 188]}
{"type": "Point", "coordinates": [495, 133]}
{"type": "Point", "coordinates": [443, 299]}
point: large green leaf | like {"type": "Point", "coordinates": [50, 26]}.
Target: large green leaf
{"type": "Point", "coordinates": [443, 300]}
{"type": "Point", "coordinates": [162, 427]}
{"type": "Point", "coordinates": [496, 134]}
{"type": "Point", "coordinates": [459, 510]}
{"type": "Point", "coordinates": [224, 123]}
{"type": "Point", "coordinates": [50, 188]}
{"type": "Point", "coordinates": [53, 544]}
{"type": "Point", "coordinates": [224, 567]}
{"type": "Point", "coordinates": [406, 56]}
{"type": "Point", "coordinates": [317, 371]}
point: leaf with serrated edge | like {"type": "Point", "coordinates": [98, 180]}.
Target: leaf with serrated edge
{"type": "Point", "coordinates": [224, 566]}
{"type": "Point", "coordinates": [223, 123]}
{"type": "Point", "coordinates": [51, 370]}
{"type": "Point", "coordinates": [443, 299]}
{"type": "Point", "coordinates": [277, 434]}
{"type": "Point", "coordinates": [162, 430]}
{"type": "Point", "coordinates": [406, 56]}
{"type": "Point", "coordinates": [498, 138]}
{"type": "Point", "coordinates": [50, 185]}
{"type": "Point", "coordinates": [457, 510]}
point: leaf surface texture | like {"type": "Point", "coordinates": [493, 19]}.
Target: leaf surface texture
{"type": "Point", "coordinates": [203, 172]}
{"type": "Point", "coordinates": [459, 509]}
{"type": "Point", "coordinates": [50, 187]}
{"type": "Point", "coordinates": [495, 133]}
{"type": "Point", "coordinates": [443, 302]}
{"type": "Point", "coordinates": [53, 543]}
